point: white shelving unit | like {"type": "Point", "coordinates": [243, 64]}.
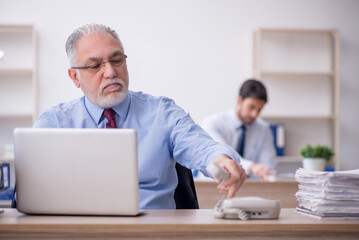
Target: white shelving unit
{"type": "Point", "coordinates": [300, 69]}
{"type": "Point", "coordinates": [18, 101]}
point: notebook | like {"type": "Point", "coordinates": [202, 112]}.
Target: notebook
{"type": "Point", "coordinates": [76, 171]}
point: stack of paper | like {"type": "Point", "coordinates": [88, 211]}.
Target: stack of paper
{"type": "Point", "coordinates": [328, 194]}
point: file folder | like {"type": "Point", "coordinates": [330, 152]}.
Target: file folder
{"type": "Point", "coordinates": [278, 131]}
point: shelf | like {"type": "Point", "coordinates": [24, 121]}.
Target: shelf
{"type": "Point", "coordinates": [298, 117]}
{"type": "Point", "coordinates": [16, 71]}
{"type": "Point", "coordinates": [15, 115]}
{"type": "Point", "coordinates": [300, 68]}
{"type": "Point", "coordinates": [15, 28]}
{"type": "Point", "coordinates": [297, 31]}
{"type": "Point", "coordinates": [296, 74]}
{"type": "Point", "coordinates": [6, 159]}
{"type": "Point", "coordinates": [296, 51]}
{"type": "Point", "coordinates": [5, 203]}
{"type": "Point", "coordinates": [289, 159]}
{"type": "Point", "coordinates": [18, 43]}
{"type": "Point", "coordinates": [18, 84]}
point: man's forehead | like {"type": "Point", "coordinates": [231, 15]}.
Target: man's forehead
{"type": "Point", "coordinates": [253, 100]}
{"type": "Point", "coordinates": [98, 45]}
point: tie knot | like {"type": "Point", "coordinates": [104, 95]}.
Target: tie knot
{"type": "Point", "coordinates": [110, 116]}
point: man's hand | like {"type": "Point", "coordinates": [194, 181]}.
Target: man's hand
{"type": "Point", "coordinates": [260, 170]}
{"type": "Point", "coordinates": [236, 175]}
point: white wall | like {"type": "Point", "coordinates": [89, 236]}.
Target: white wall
{"type": "Point", "coordinates": [195, 51]}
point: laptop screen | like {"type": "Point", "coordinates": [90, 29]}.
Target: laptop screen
{"type": "Point", "coordinates": [76, 171]}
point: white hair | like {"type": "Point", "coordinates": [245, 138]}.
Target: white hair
{"type": "Point", "coordinates": [86, 30]}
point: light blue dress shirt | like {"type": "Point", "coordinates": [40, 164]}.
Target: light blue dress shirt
{"type": "Point", "coordinates": [166, 134]}
{"type": "Point", "coordinates": [259, 147]}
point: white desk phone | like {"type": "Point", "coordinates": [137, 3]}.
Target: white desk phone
{"type": "Point", "coordinates": [242, 207]}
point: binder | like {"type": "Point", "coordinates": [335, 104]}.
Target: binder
{"type": "Point", "coordinates": [4, 176]}
{"type": "Point", "coordinates": [278, 131]}
{"type": "Point", "coordinates": [5, 190]}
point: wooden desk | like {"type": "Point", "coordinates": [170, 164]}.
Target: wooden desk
{"type": "Point", "coordinates": [173, 224]}
{"type": "Point", "coordinates": [208, 194]}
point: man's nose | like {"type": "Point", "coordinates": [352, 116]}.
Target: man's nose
{"type": "Point", "coordinates": [109, 71]}
{"type": "Point", "coordinates": [254, 113]}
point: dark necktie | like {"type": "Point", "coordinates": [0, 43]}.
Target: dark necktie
{"type": "Point", "coordinates": [110, 115]}
{"type": "Point", "coordinates": [242, 139]}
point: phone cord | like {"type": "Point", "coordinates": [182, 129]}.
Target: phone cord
{"type": "Point", "coordinates": [219, 212]}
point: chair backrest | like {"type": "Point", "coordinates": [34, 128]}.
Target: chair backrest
{"type": "Point", "coordinates": [185, 194]}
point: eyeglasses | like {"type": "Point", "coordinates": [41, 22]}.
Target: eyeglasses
{"type": "Point", "coordinates": [95, 67]}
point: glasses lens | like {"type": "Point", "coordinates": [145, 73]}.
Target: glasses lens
{"type": "Point", "coordinates": [116, 62]}
{"type": "Point", "coordinates": [94, 68]}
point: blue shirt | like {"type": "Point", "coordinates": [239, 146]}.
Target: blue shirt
{"type": "Point", "coordinates": [225, 128]}
{"type": "Point", "coordinates": [166, 134]}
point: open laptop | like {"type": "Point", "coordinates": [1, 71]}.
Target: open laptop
{"type": "Point", "coordinates": [76, 171]}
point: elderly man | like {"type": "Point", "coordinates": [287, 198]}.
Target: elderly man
{"type": "Point", "coordinates": [166, 134]}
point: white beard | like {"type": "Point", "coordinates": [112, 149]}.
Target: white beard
{"type": "Point", "coordinates": [114, 99]}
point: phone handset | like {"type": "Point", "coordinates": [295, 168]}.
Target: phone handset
{"type": "Point", "coordinates": [218, 172]}
{"type": "Point", "coordinates": [242, 207]}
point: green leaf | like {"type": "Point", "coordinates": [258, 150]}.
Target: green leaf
{"type": "Point", "coordinates": [317, 151]}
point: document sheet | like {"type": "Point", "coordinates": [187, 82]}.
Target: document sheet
{"type": "Point", "coordinates": [328, 194]}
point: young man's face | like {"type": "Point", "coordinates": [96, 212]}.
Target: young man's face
{"type": "Point", "coordinates": [107, 85]}
{"type": "Point", "coordinates": [248, 109]}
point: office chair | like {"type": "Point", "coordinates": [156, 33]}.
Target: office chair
{"type": "Point", "coordinates": [185, 194]}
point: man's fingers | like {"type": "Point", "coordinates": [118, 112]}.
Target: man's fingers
{"type": "Point", "coordinates": [261, 171]}
{"type": "Point", "coordinates": [223, 191]}
{"type": "Point", "coordinates": [236, 175]}
{"type": "Point", "coordinates": [217, 180]}
{"type": "Point", "coordinates": [231, 193]}
{"type": "Point", "coordinates": [243, 177]}
{"type": "Point", "coordinates": [231, 189]}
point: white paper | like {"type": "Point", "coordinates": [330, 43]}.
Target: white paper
{"type": "Point", "coordinates": [328, 194]}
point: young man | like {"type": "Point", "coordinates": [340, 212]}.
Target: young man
{"type": "Point", "coordinates": [244, 131]}
{"type": "Point", "coordinates": [166, 134]}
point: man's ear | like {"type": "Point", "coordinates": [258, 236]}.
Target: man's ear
{"type": "Point", "coordinates": [239, 100]}
{"type": "Point", "coordinates": [74, 76]}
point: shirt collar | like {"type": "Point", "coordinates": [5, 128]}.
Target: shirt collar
{"type": "Point", "coordinates": [96, 112]}
{"type": "Point", "coordinates": [123, 107]}
{"type": "Point", "coordinates": [235, 120]}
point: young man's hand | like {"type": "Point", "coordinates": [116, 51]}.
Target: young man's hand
{"type": "Point", "coordinates": [260, 170]}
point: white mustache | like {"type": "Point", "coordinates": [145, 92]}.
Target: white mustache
{"type": "Point", "coordinates": [112, 81]}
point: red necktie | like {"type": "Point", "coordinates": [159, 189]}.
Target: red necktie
{"type": "Point", "coordinates": [110, 115]}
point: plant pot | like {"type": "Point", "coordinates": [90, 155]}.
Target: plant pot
{"type": "Point", "coordinates": [317, 164]}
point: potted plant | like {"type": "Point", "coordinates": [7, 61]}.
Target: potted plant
{"type": "Point", "coordinates": [315, 157]}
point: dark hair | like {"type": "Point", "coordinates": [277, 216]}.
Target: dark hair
{"type": "Point", "coordinates": [253, 88]}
